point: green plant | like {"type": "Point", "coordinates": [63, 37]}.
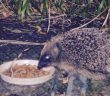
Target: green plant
{"type": "Point", "coordinates": [103, 4]}
{"type": "Point", "coordinates": [60, 5]}
{"type": "Point", "coordinates": [45, 5]}
{"type": "Point", "coordinates": [23, 7]}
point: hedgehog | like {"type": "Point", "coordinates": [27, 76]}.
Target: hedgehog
{"type": "Point", "coordinates": [85, 51]}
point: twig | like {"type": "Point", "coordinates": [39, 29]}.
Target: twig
{"type": "Point", "coordinates": [13, 63]}
{"type": "Point", "coordinates": [20, 42]}
{"type": "Point", "coordinates": [105, 22]}
{"type": "Point", "coordinates": [90, 21]}
{"type": "Point", "coordinates": [48, 18]}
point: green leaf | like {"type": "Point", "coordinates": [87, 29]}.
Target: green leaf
{"type": "Point", "coordinates": [101, 6]}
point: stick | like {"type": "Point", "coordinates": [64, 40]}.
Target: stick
{"type": "Point", "coordinates": [49, 18]}
{"type": "Point", "coordinates": [89, 21]}
{"type": "Point", "coordinates": [106, 18]}
{"type": "Point", "coordinates": [20, 42]}
{"type": "Point", "coordinates": [13, 63]}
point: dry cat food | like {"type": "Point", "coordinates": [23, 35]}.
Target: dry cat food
{"type": "Point", "coordinates": [25, 71]}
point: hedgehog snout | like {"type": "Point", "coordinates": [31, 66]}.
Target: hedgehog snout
{"type": "Point", "coordinates": [44, 61]}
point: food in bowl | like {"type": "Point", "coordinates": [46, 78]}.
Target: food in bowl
{"type": "Point", "coordinates": [42, 76]}
{"type": "Point", "coordinates": [25, 71]}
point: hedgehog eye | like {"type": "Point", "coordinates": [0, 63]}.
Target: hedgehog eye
{"type": "Point", "coordinates": [47, 57]}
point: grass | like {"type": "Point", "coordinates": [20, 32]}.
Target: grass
{"type": "Point", "coordinates": [25, 8]}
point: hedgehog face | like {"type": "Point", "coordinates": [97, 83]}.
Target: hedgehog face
{"type": "Point", "coordinates": [49, 55]}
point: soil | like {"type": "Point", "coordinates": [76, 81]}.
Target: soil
{"type": "Point", "coordinates": [13, 29]}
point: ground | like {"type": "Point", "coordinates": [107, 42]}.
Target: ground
{"type": "Point", "coordinates": [13, 29]}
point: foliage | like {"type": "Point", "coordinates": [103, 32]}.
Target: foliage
{"type": "Point", "coordinates": [25, 8]}
{"type": "Point", "coordinates": [103, 4]}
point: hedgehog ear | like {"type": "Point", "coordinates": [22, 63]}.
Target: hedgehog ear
{"type": "Point", "coordinates": [59, 47]}
{"type": "Point", "coordinates": [56, 50]}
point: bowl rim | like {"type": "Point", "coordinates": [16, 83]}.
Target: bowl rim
{"type": "Point", "coordinates": [27, 81]}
